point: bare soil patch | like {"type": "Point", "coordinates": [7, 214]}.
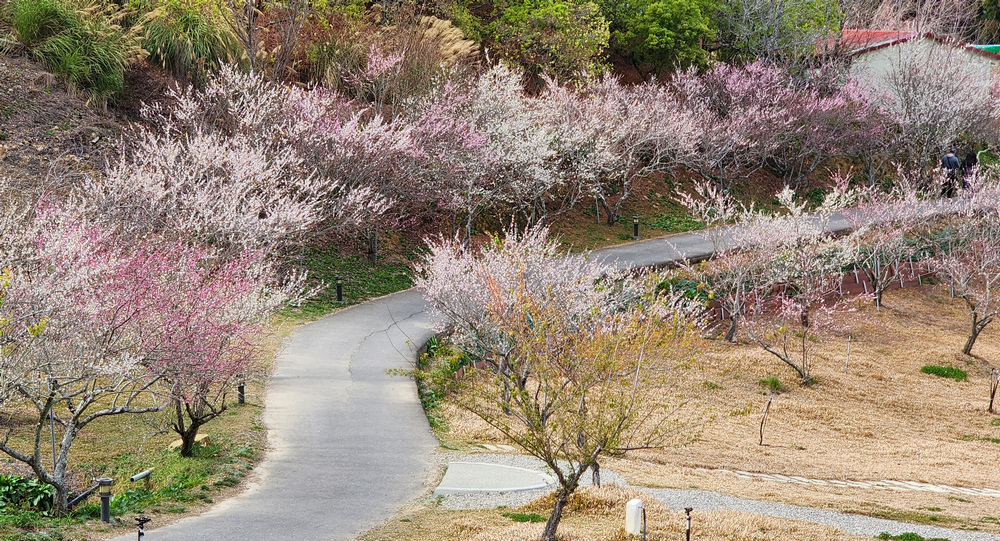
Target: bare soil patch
{"type": "Point", "coordinates": [42, 124]}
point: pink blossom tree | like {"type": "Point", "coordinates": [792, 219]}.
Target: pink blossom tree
{"type": "Point", "coordinates": [573, 350]}
{"type": "Point", "coordinates": [87, 357]}
{"type": "Point", "coordinates": [741, 111]}
{"type": "Point", "coordinates": [207, 331]}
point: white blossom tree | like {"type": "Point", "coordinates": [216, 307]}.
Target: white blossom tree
{"type": "Point", "coordinates": [574, 352]}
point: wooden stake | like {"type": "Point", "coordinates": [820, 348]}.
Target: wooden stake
{"type": "Point", "coordinates": [764, 418]}
{"type": "Point", "coordinates": [847, 361]}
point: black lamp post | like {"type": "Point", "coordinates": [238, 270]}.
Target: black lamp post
{"type": "Point", "coordinates": [635, 227]}
{"type": "Point", "coordinates": [104, 491]}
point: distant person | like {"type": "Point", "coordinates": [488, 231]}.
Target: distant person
{"type": "Point", "coordinates": [969, 165]}
{"type": "Point", "coordinates": [952, 167]}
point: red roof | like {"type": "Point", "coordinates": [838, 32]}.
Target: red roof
{"type": "Point", "coordinates": [855, 42]}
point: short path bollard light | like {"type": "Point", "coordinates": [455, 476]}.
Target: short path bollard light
{"type": "Point", "coordinates": [241, 393]}
{"type": "Point", "coordinates": [340, 289]}
{"type": "Point", "coordinates": [635, 228]}
{"type": "Point", "coordinates": [104, 490]}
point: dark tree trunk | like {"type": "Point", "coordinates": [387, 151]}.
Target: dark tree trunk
{"type": "Point", "coordinates": [60, 499]}
{"type": "Point", "coordinates": [187, 424]}
{"type": "Point", "coordinates": [549, 534]}
{"type": "Point", "coordinates": [597, 474]}
{"type": "Point", "coordinates": [977, 327]}
{"type": "Point", "coordinates": [731, 333]}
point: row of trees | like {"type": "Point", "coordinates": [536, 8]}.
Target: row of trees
{"type": "Point", "coordinates": [313, 162]}
{"type": "Point", "coordinates": [777, 277]}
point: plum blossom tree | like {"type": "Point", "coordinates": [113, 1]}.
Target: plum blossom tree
{"type": "Point", "coordinates": [208, 330]}
{"type": "Point", "coordinates": [573, 352]}
{"type": "Point", "coordinates": [242, 164]}
{"type": "Point", "coordinates": [778, 273]}
{"type": "Point", "coordinates": [646, 131]}
{"type": "Point", "coordinates": [97, 324]}
{"type": "Point", "coordinates": [969, 261]}
{"type": "Point", "coordinates": [741, 112]}
{"type": "Point", "coordinates": [86, 356]}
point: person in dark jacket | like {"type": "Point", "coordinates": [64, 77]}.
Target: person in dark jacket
{"type": "Point", "coordinates": [970, 162]}
{"type": "Point", "coordinates": [952, 167]}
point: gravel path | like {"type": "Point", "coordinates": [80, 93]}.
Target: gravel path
{"type": "Point", "coordinates": [701, 500]}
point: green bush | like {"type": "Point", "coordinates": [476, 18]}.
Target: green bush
{"type": "Point", "coordinates": [18, 492]}
{"type": "Point", "coordinates": [189, 40]}
{"type": "Point", "coordinates": [956, 374]}
{"type": "Point", "coordinates": [558, 38]}
{"type": "Point", "coordinates": [35, 21]}
{"type": "Point", "coordinates": [86, 46]}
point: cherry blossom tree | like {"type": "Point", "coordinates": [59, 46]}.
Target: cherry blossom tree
{"type": "Point", "coordinates": [574, 352]}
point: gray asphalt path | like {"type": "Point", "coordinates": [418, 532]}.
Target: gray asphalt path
{"type": "Point", "coordinates": [664, 251]}
{"type": "Point", "coordinates": [348, 444]}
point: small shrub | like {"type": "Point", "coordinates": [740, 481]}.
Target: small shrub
{"type": "Point", "coordinates": [131, 501]}
{"type": "Point", "coordinates": [525, 517]}
{"type": "Point", "coordinates": [227, 481]}
{"type": "Point", "coordinates": [28, 494]}
{"type": "Point", "coordinates": [35, 21]}
{"type": "Point", "coordinates": [956, 374]}
{"type": "Point", "coordinates": [189, 40]}
{"type": "Point", "coordinates": [772, 383]}
{"type": "Point", "coordinates": [995, 422]}
{"type": "Point", "coordinates": [907, 536]}
{"type": "Point", "coordinates": [92, 52]}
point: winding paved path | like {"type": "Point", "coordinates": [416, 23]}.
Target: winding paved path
{"type": "Point", "coordinates": [349, 445]}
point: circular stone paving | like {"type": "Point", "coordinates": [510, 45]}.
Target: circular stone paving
{"type": "Point", "coordinates": [472, 477]}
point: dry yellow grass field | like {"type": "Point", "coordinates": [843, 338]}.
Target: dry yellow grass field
{"type": "Point", "coordinates": [882, 420]}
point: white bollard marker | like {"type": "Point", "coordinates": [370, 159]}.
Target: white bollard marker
{"type": "Point", "coordinates": [633, 517]}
